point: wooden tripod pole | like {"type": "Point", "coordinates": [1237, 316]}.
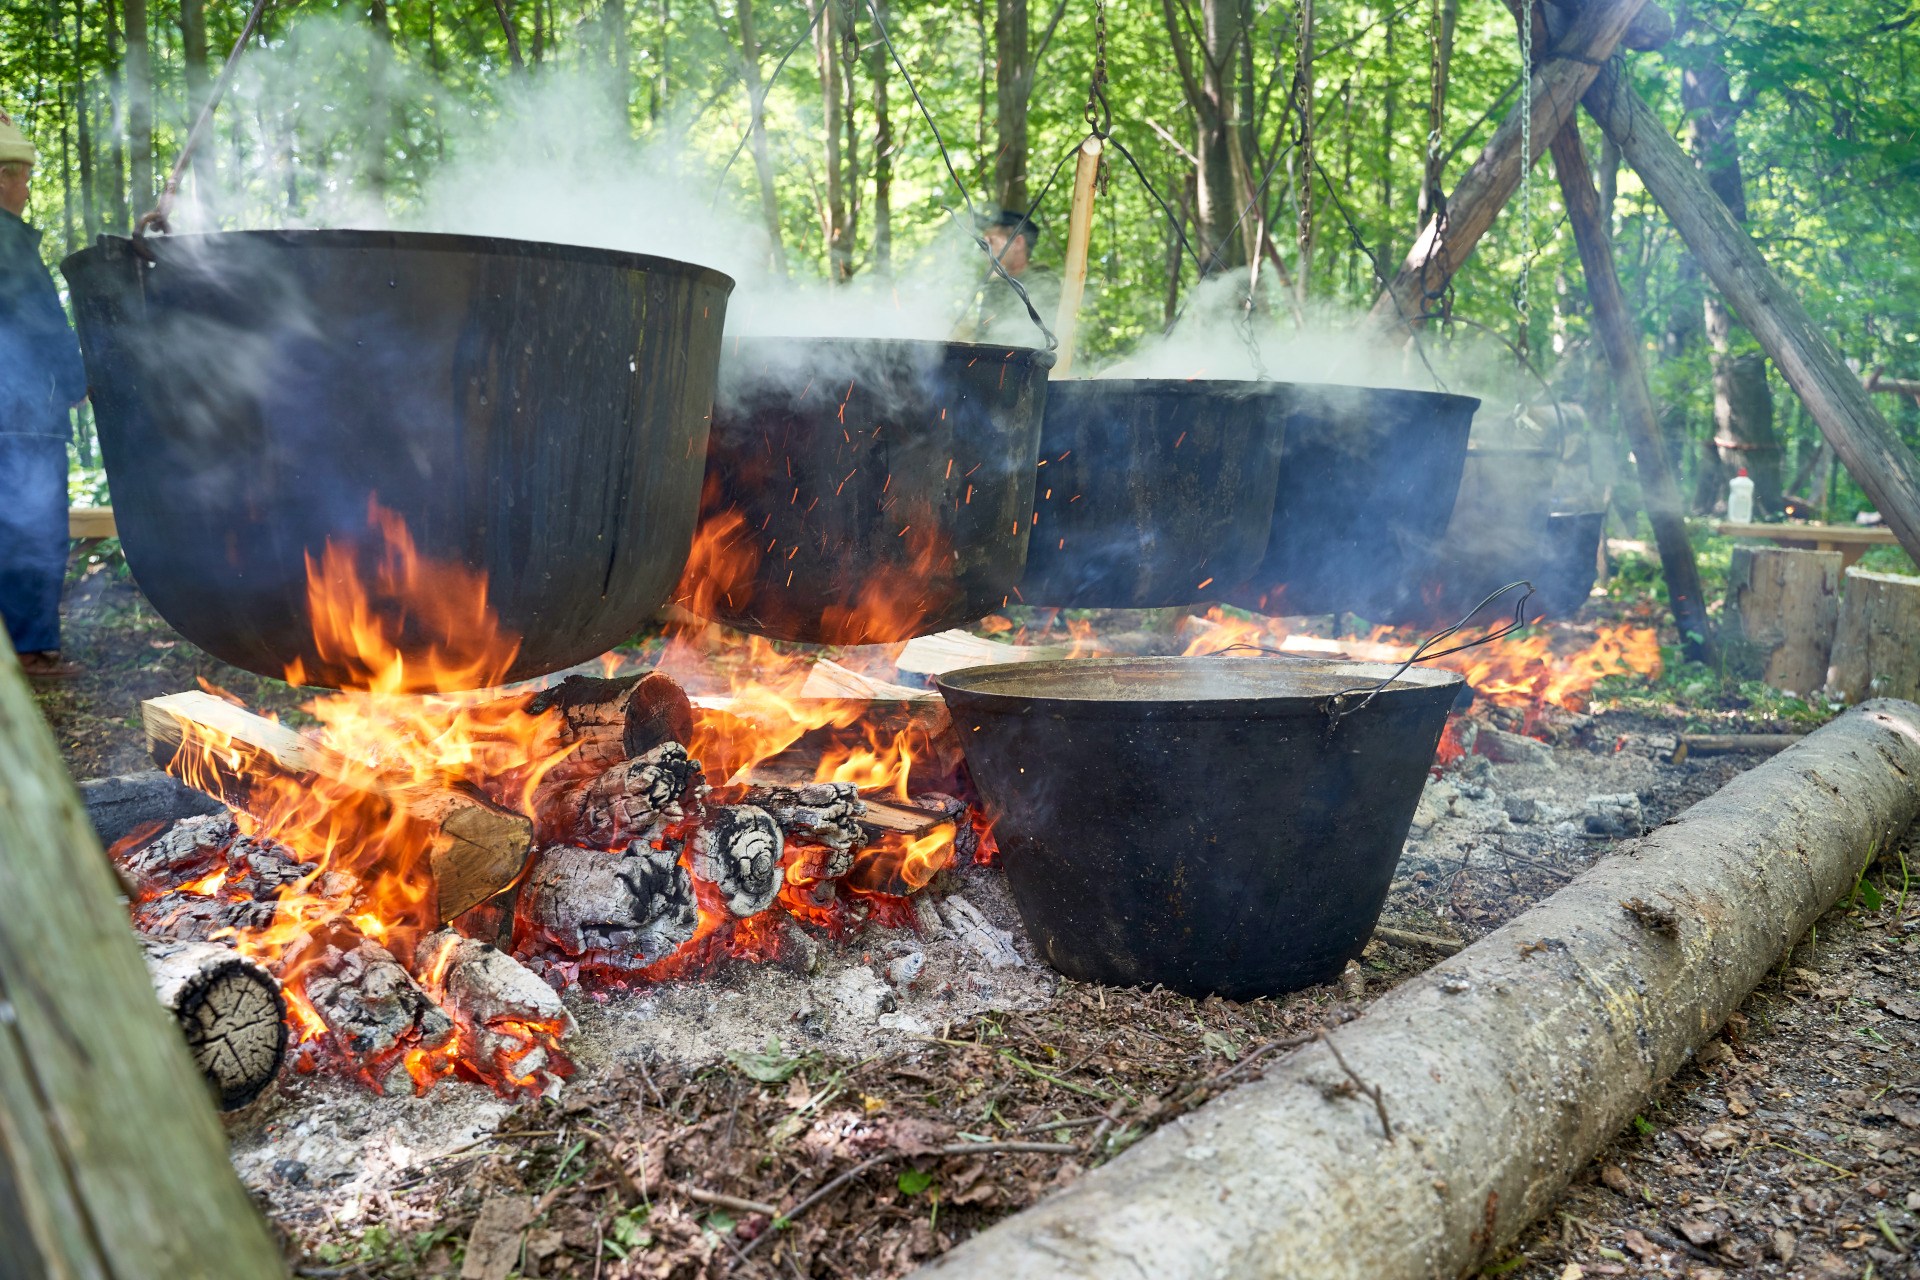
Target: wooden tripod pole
{"type": "Point", "coordinates": [111, 1161]}
{"type": "Point", "coordinates": [1612, 322]}
{"type": "Point", "coordinates": [1079, 231]}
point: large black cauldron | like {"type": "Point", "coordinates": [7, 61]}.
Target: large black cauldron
{"type": "Point", "coordinates": [867, 490]}
{"type": "Point", "coordinates": [1211, 824]}
{"type": "Point", "coordinates": [1366, 488]}
{"type": "Point", "coordinates": [1152, 491]}
{"type": "Point", "coordinates": [534, 411]}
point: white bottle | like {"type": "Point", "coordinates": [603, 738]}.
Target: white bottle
{"type": "Point", "coordinates": [1740, 499]}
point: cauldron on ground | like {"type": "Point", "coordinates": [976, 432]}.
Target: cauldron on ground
{"type": "Point", "coordinates": [1152, 491]}
{"type": "Point", "coordinates": [1367, 482]}
{"type": "Point", "coordinates": [866, 490]}
{"type": "Point", "coordinates": [1218, 825]}
{"type": "Point", "coordinates": [533, 412]}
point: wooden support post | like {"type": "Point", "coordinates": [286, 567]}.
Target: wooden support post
{"type": "Point", "coordinates": [1066, 324]}
{"type": "Point", "coordinates": [1452, 233]}
{"type": "Point", "coordinates": [111, 1160]}
{"type": "Point", "coordinates": [1873, 454]}
{"type": "Point", "coordinates": [1876, 652]}
{"type": "Point", "coordinates": [1782, 607]}
{"type": "Point", "coordinates": [1621, 340]}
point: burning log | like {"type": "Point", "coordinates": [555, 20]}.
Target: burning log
{"type": "Point", "coordinates": [622, 911]}
{"type": "Point", "coordinates": [827, 814]}
{"type": "Point", "coordinates": [193, 849]}
{"type": "Point", "coordinates": [476, 847]}
{"type": "Point", "coordinates": [372, 1007]}
{"type": "Point", "coordinates": [610, 721]}
{"type": "Point", "coordinates": [738, 849]}
{"type": "Point", "coordinates": [510, 1021]}
{"type": "Point", "coordinates": [231, 1010]}
{"type": "Point", "coordinates": [119, 806]}
{"type": "Point", "coordinates": [621, 803]}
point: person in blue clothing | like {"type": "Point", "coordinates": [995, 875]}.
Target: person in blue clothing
{"type": "Point", "coordinates": [41, 379]}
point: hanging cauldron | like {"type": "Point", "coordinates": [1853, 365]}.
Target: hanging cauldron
{"type": "Point", "coordinates": [1221, 826]}
{"type": "Point", "coordinates": [1366, 489]}
{"type": "Point", "coordinates": [1152, 491]}
{"type": "Point", "coordinates": [866, 490]}
{"type": "Point", "coordinates": [533, 411]}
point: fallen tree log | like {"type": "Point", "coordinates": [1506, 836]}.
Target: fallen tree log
{"type": "Point", "coordinates": [1875, 456]}
{"type": "Point", "coordinates": [1504, 1068]}
{"type": "Point", "coordinates": [230, 1009]}
{"type": "Point", "coordinates": [477, 848]}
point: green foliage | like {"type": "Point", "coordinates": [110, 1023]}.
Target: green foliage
{"type": "Point", "coordinates": [771, 1065]}
{"type": "Point", "coordinates": [403, 1255]}
{"type": "Point", "coordinates": [627, 1231]}
{"type": "Point", "coordinates": [914, 1181]}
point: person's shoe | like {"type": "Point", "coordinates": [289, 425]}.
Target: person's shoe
{"type": "Point", "coordinates": [48, 665]}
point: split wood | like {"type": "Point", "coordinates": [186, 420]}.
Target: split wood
{"type": "Point", "coordinates": [476, 847]}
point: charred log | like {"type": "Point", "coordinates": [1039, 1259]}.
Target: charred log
{"type": "Point", "coordinates": [608, 721]}
{"type": "Point", "coordinates": [193, 849]}
{"type": "Point", "coordinates": [509, 1019]}
{"type": "Point", "coordinates": [621, 803]}
{"type": "Point", "coordinates": [119, 806]}
{"type": "Point", "coordinates": [182, 916]}
{"type": "Point", "coordinates": [372, 1007]}
{"type": "Point", "coordinates": [827, 814]}
{"type": "Point", "coordinates": [231, 1011]}
{"type": "Point", "coordinates": [738, 850]}
{"type": "Point", "coordinates": [622, 911]}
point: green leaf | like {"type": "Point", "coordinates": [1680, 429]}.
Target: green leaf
{"type": "Point", "coordinates": [770, 1065]}
{"type": "Point", "coordinates": [1643, 1126]}
{"type": "Point", "coordinates": [720, 1221]}
{"type": "Point", "coordinates": [914, 1181]}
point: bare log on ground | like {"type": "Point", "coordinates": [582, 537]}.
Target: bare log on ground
{"type": "Point", "coordinates": [371, 1005]}
{"type": "Point", "coordinates": [1876, 652]}
{"type": "Point", "coordinates": [1724, 744]}
{"type": "Point", "coordinates": [117, 806]}
{"type": "Point", "coordinates": [738, 849]}
{"type": "Point", "coordinates": [1449, 237]}
{"type": "Point", "coordinates": [1781, 611]}
{"type": "Point", "coordinates": [231, 1011]}
{"type": "Point", "coordinates": [476, 847]}
{"type": "Point", "coordinates": [608, 721]}
{"type": "Point", "coordinates": [1620, 337]}
{"type": "Point", "coordinates": [621, 803]}
{"type": "Point", "coordinates": [623, 910]}
{"type": "Point", "coordinates": [112, 1161]}
{"type": "Point", "coordinates": [1873, 453]}
{"type": "Point", "coordinates": [1503, 1069]}
{"type": "Point", "coordinates": [509, 1018]}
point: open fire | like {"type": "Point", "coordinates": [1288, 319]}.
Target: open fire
{"type": "Point", "coordinates": [422, 869]}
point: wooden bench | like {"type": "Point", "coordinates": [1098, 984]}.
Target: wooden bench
{"type": "Point", "coordinates": [1850, 540]}
{"type": "Point", "coordinates": [91, 522]}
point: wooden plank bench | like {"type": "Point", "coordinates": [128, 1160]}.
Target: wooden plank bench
{"type": "Point", "coordinates": [91, 522]}
{"type": "Point", "coordinates": [1850, 540]}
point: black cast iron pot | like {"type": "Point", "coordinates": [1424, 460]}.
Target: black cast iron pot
{"type": "Point", "coordinates": [1199, 822]}
{"type": "Point", "coordinates": [1367, 485]}
{"type": "Point", "coordinates": [1152, 491]}
{"type": "Point", "coordinates": [866, 490]}
{"type": "Point", "coordinates": [536, 412]}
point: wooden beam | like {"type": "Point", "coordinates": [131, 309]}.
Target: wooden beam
{"type": "Point", "coordinates": [1894, 386]}
{"type": "Point", "coordinates": [477, 848]}
{"type": "Point", "coordinates": [1449, 237]}
{"type": "Point", "coordinates": [111, 1161]}
{"type": "Point", "coordinates": [1874, 455]}
{"type": "Point", "coordinates": [1613, 322]}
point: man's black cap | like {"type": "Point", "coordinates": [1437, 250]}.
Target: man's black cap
{"type": "Point", "coordinates": [1020, 224]}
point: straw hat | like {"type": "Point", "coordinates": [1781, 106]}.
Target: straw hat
{"type": "Point", "coordinates": [14, 147]}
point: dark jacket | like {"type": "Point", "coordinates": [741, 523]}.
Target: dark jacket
{"type": "Point", "coordinates": [41, 376]}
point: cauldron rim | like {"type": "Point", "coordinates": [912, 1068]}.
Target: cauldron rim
{"type": "Point", "coordinates": [1239, 388]}
{"type": "Point", "coordinates": [998, 350]}
{"type": "Point", "coordinates": [1048, 686]}
{"type": "Point", "coordinates": [425, 242]}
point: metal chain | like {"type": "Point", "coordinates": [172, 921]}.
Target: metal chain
{"type": "Point", "coordinates": [1098, 114]}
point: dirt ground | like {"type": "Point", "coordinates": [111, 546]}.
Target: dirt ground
{"type": "Point", "coordinates": [1791, 1149]}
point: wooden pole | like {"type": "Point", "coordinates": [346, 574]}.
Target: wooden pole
{"type": "Point", "coordinates": [1873, 454]}
{"type": "Point", "coordinates": [1451, 234]}
{"type": "Point", "coordinates": [1079, 231]}
{"type": "Point", "coordinates": [111, 1161]}
{"type": "Point", "coordinates": [1621, 340]}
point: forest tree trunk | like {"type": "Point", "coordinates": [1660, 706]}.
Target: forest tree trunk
{"type": "Point", "coordinates": [879, 70]}
{"type": "Point", "coordinates": [1012, 86]}
{"type": "Point", "coordinates": [829, 38]}
{"type": "Point", "coordinates": [757, 134]}
{"type": "Point", "coordinates": [1743, 434]}
{"type": "Point", "coordinates": [1433, 192]}
{"type": "Point", "coordinates": [139, 107]}
{"type": "Point", "coordinates": [193, 54]}
{"type": "Point", "coordinates": [1205, 61]}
